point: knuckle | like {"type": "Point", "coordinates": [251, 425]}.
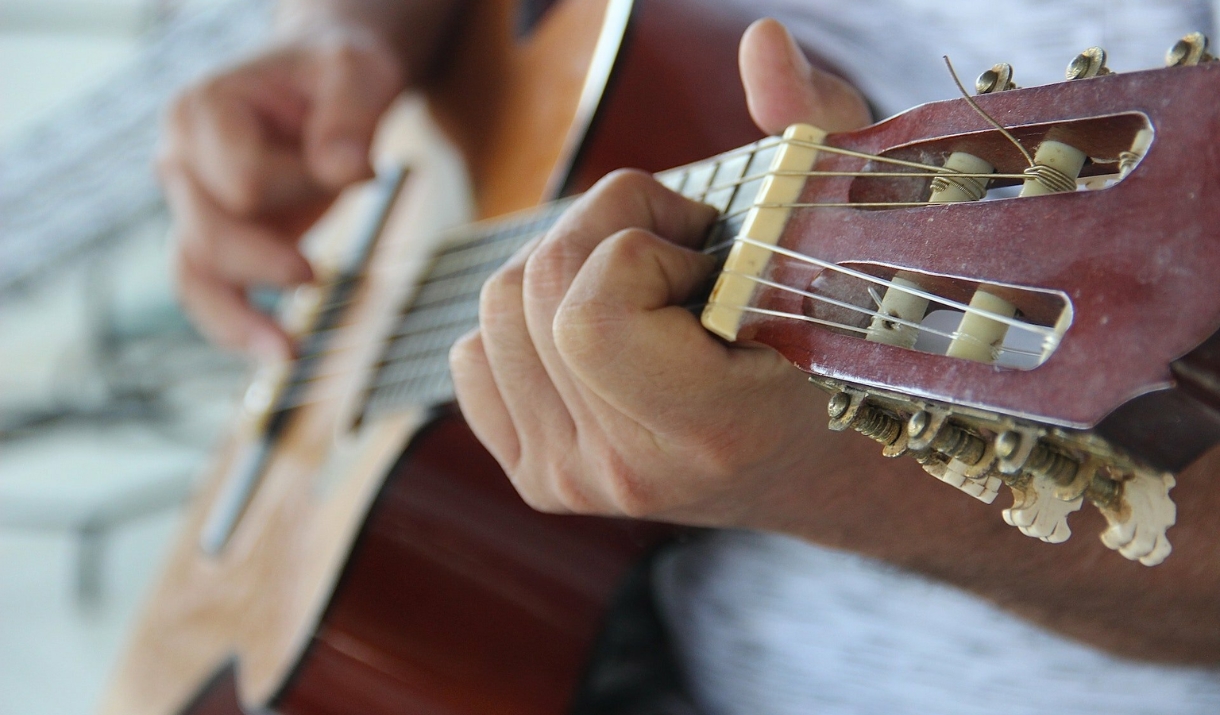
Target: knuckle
{"type": "Point", "coordinates": [628, 248]}
{"type": "Point", "coordinates": [536, 487]}
{"type": "Point", "coordinates": [624, 182]}
{"type": "Point", "coordinates": [580, 330]}
{"type": "Point", "coordinates": [549, 264]}
{"type": "Point", "coordinates": [633, 496]}
{"type": "Point", "coordinates": [569, 489]}
{"type": "Point", "coordinates": [465, 355]}
{"type": "Point", "coordinates": [539, 500]}
{"type": "Point", "coordinates": [498, 291]}
{"type": "Point", "coordinates": [630, 492]}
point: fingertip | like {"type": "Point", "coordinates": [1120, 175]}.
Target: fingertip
{"type": "Point", "coordinates": [296, 269]}
{"type": "Point", "coordinates": [782, 87]}
{"type": "Point", "coordinates": [269, 345]}
{"type": "Point", "coordinates": [768, 58]}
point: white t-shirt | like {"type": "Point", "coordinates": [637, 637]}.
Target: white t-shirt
{"type": "Point", "coordinates": [765, 625]}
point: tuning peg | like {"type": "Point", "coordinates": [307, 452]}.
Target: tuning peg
{"type": "Point", "coordinates": [1090, 63]}
{"type": "Point", "coordinates": [1190, 50]}
{"type": "Point", "coordinates": [1139, 514]}
{"type": "Point", "coordinates": [1038, 512]}
{"type": "Point", "coordinates": [996, 79]}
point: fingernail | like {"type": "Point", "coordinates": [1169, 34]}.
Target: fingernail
{"type": "Point", "coordinates": [269, 348]}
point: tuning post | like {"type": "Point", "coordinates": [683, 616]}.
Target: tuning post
{"type": "Point", "coordinates": [1090, 63]}
{"type": "Point", "coordinates": [1055, 169]}
{"type": "Point", "coordinates": [850, 411]}
{"type": "Point", "coordinates": [898, 313]}
{"type": "Point", "coordinates": [949, 187]}
{"type": "Point", "coordinates": [1188, 51]}
{"type": "Point", "coordinates": [996, 79]}
{"type": "Point", "coordinates": [1051, 464]}
{"type": "Point", "coordinates": [924, 431]}
{"type": "Point", "coordinates": [1128, 160]}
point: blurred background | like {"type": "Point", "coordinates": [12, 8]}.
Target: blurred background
{"type": "Point", "coordinates": [108, 402]}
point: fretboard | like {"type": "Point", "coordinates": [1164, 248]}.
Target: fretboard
{"type": "Point", "coordinates": [414, 367]}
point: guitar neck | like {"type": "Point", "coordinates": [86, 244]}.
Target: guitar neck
{"type": "Point", "coordinates": [413, 368]}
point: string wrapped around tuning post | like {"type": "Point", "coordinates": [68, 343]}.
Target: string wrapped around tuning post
{"type": "Point", "coordinates": [1053, 180]}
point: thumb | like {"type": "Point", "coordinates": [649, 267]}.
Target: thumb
{"type": "Point", "coordinates": [782, 88]}
{"type": "Point", "coordinates": [353, 88]}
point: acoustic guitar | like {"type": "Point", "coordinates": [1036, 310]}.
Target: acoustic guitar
{"type": "Point", "coordinates": [974, 281]}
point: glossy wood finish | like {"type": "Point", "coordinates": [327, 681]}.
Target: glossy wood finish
{"type": "Point", "coordinates": [1171, 429]}
{"type": "Point", "coordinates": [1138, 260]}
{"type": "Point", "coordinates": [458, 598]}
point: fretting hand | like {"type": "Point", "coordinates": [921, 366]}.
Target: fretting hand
{"type": "Point", "coordinates": [599, 393]}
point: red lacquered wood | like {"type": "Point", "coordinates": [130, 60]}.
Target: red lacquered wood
{"type": "Point", "coordinates": [459, 598]}
{"type": "Point", "coordinates": [1170, 429]}
{"type": "Point", "coordinates": [1138, 260]}
{"type": "Point", "coordinates": [674, 96]}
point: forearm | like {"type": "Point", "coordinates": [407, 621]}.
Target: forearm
{"type": "Point", "coordinates": [891, 510]}
{"type": "Point", "coordinates": [414, 29]}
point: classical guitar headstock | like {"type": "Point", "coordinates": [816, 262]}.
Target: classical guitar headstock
{"type": "Point", "coordinates": [980, 281]}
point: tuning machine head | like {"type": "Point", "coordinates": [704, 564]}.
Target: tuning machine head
{"type": "Point", "coordinates": [1188, 51]}
{"type": "Point", "coordinates": [996, 79]}
{"type": "Point", "coordinates": [1090, 63]}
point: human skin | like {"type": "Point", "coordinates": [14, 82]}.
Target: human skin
{"type": "Point", "coordinates": [254, 154]}
{"type": "Point", "coordinates": [591, 385]}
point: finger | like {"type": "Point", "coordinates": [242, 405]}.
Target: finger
{"type": "Point", "coordinates": [620, 321]}
{"type": "Point", "coordinates": [354, 86]}
{"type": "Point", "coordinates": [622, 200]}
{"type": "Point", "coordinates": [480, 399]}
{"type": "Point", "coordinates": [542, 421]}
{"type": "Point", "coordinates": [240, 253]}
{"type": "Point", "coordinates": [782, 88]}
{"type": "Point", "coordinates": [223, 314]}
{"type": "Point", "coordinates": [626, 298]}
{"type": "Point", "coordinates": [220, 135]}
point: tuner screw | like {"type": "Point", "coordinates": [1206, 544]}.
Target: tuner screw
{"type": "Point", "coordinates": [918, 424]}
{"type": "Point", "coordinates": [1090, 63]}
{"type": "Point", "coordinates": [838, 405]}
{"type": "Point", "coordinates": [1188, 51]}
{"type": "Point", "coordinates": [1006, 444]}
{"type": "Point", "coordinates": [996, 79]}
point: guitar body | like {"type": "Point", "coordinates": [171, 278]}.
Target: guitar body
{"type": "Point", "coordinates": [362, 578]}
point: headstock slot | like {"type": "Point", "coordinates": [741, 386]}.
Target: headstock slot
{"type": "Point", "coordinates": [843, 302]}
{"type": "Point", "coordinates": [1104, 139]}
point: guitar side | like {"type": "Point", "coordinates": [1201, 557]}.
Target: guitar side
{"type": "Point", "coordinates": [257, 623]}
